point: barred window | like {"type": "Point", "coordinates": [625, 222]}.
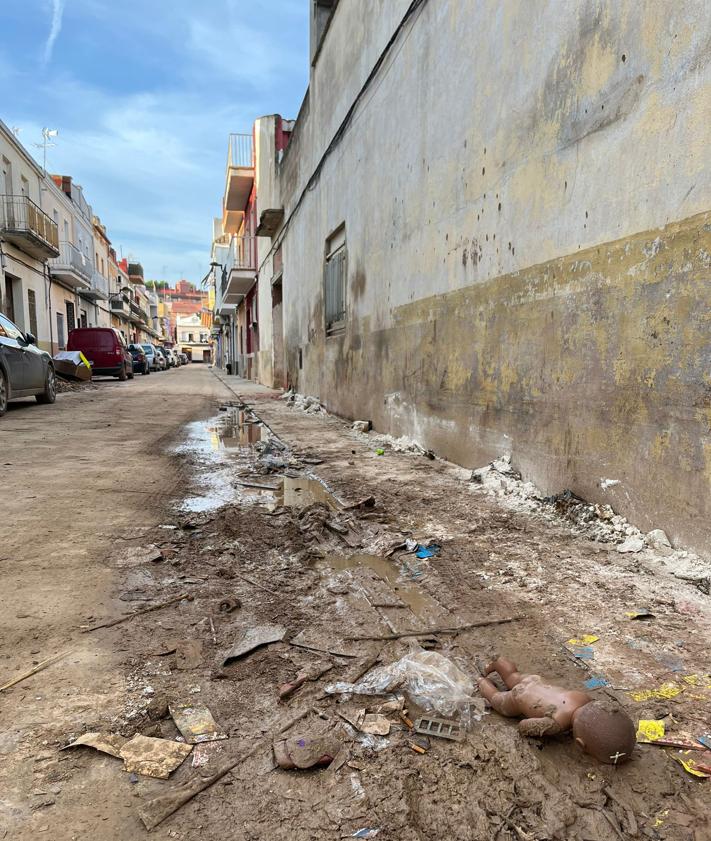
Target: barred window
{"type": "Point", "coordinates": [335, 271]}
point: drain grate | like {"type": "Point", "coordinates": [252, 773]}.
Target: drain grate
{"type": "Point", "coordinates": [439, 727]}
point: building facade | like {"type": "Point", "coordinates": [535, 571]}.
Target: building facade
{"type": "Point", "coordinates": [495, 238]}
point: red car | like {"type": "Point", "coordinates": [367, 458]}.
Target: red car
{"type": "Point", "coordinates": [106, 350]}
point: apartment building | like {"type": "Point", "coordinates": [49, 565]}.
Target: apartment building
{"type": "Point", "coordinates": [28, 239]}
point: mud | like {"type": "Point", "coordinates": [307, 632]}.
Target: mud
{"type": "Point", "coordinates": [495, 562]}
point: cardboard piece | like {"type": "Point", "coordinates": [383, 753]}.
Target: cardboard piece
{"type": "Point", "coordinates": [195, 723]}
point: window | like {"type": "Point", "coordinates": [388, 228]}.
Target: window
{"type": "Point", "coordinates": [70, 315]}
{"type": "Point", "coordinates": [335, 281]}
{"type": "Point", "coordinates": [32, 307]}
{"type": "Point", "coordinates": [61, 341]}
{"type": "Point", "coordinates": [8, 329]}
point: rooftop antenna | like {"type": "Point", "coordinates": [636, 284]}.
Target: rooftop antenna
{"type": "Point", "coordinates": [16, 130]}
{"type": "Point", "coordinates": [47, 135]}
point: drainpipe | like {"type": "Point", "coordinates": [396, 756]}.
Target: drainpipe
{"type": "Point", "coordinates": [2, 279]}
{"type": "Point", "coordinates": [48, 302]}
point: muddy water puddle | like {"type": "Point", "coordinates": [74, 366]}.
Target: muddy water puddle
{"type": "Point", "coordinates": [419, 602]}
{"type": "Point", "coordinates": [302, 491]}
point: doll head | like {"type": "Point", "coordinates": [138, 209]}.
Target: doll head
{"type": "Point", "coordinates": [607, 735]}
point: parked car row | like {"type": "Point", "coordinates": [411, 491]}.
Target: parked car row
{"type": "Point", "coordinates": [26, 370]}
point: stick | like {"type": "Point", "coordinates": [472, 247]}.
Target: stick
{"type": "Point", "coordinates": [137, 613]}
{"type": "Point", "coordinates": [429, 631]}
{"type": "Point", "coordinates": [33, 670]}
{"type": "Point", "coordinates": [212, 630]}
{"type": "Point", "coordinates": [322, 650]}
{"type": "Point", "coordinates": [259, 487]}
{"type": "Point", "coordinates": [254, 584]}
{"type": "Point", "coordinates": [156, 810]}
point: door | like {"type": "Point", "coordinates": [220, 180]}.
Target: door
{"type": "Point", "coordinates": [14, 355]}
{"type": "Point", "coordinates": [61, 336]}
{"type": "Point", "coordinates": [71, 323]}
{"type": "Point", "coordinates": [9, 302]}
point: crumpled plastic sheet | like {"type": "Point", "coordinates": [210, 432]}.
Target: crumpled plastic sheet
{"type": "Point", "coordinates": [430, 680]}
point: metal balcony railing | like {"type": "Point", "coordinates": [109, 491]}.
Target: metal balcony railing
{"type": "Point", "coordinates": [240, 152]}
{"type": "Point", "coordinates": [20, 215]}
{"type": "Point", "coordinates": [71, 258]}
{"type": "Point", "coordinates": [99, 282]}
{"type": "Point", "coordinates": [242, 256]}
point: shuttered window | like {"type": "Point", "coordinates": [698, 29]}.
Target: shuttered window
{"type": "Point", "coordinates": [32, 308]}
{"type": "Point", "coordinates": [335, 272]}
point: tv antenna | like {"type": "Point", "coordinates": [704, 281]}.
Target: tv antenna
{"type": "Point", "coordinates": [47, 135]}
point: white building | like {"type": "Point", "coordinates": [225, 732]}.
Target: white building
{"type": "Point", "coordinates": [194, 337]}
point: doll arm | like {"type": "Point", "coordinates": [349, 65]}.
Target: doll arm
{"type": "Point", "coordinates": [503, 702]}
{"type": "Point", "coordinates": [537, 727]}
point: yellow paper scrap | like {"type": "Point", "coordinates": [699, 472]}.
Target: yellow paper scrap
{"type": "Point", "coordinates": [685, 758]}
{"type": "Point", "coordinates": [665, 691]}
{"type": "Point", "coordinates": [698, 680]}
{"type": "Point", "coordinates": [649, 730]}
{"type": "Point", "coordinates": [660, 817]}
{"type": "Point", "coordinates": [586, 639]}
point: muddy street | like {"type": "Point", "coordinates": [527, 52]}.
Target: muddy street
{"type": "Point", "coordinates": [285, 557]}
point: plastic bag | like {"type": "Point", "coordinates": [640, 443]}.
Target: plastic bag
{"type": "Point", "coordinates": [431, 681]}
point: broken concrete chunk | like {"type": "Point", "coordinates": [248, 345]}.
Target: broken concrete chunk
{"type": "Point", "coordinates": [254, 638]}
{"type": "Point", "coordinates": [196, 723]}
{"type": "Point", "coordinates": [657, 539]}
{"type": "Point", "coordinates": [632, 544]}
{"type": "Point", "coordinates": [374, 724]}
{"type": "Point", "coordinates": [362, 426]}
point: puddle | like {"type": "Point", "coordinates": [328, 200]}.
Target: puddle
{"type": "Point", "coordinates": [414, 597]}
{"type": "Point", "coordinates": [300, 492]}
{"type": "Point", "coordinates": [217, 449]}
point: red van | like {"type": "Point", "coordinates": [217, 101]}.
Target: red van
{"type": "Point", "coordinates": [106, 350]}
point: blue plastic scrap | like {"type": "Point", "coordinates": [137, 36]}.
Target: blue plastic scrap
{"type": "Point", "coordinates": [582, 652]}
{"type": "Point", "coordinates": [365, 833]}
{"type": "Point", "coordinates": [596, 682]}
{"type": "Point", "coordinates": [705, 740]}
{"type": "Point", "coordinates": [424, 552]}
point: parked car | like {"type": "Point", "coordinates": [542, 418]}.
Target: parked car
{"type": "Point", "coordinates": [25, 370]}
{"type": "Point", "coordinates": [176, 356]}
{"type": "Point", "coordinates": [141, 365]}
{"type": "Point", "coordinates": [161, 360]}
{"type": "Point", "coordinates": [106, 350]}
{"type": "Point", "coordinates": [170, 357]}
{"type": "Point", "coordinates": [184, 358]}
{"type": "Point", "coordinates": [150, 351]}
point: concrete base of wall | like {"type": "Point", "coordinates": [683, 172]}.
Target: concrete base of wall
{"type": "Point", "coordinates": [589, 367]}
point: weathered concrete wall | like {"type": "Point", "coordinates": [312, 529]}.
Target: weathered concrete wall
{"type": "Point", "coordinates": [524, 190]}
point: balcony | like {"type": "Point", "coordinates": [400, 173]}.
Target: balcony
{"type": "Point", "coordinates": [99, 289]}
{"type": "Point", "coordinates": [72, 267]}
{"type": "Point", "coordinates": [137, 315]}
{"type": "Point", "coordinates": [27, 226]}
{"type": "Point", "coordinates": [240, 269]}
{"type": "Point", "coordinates": [240, 180]}
{"type": "Point", "coordinates": [119, 305]}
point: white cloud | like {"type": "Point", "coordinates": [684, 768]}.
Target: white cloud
{"type": "Point", "coordinates": [54, 29]}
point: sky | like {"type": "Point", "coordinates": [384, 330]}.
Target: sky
{"type": "Point", "coordinates": [144, 94]}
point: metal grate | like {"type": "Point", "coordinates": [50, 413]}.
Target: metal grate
{"type": "Point", "coordinates": [335, 289]}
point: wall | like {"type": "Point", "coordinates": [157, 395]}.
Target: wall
{"type": "Point", "coordinates": [525, 190]}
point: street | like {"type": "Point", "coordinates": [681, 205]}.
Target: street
{"type": "Point", "coordinates": [130, 495]}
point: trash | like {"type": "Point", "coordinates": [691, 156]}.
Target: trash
{"type": "Point", "coordinates": [420, 744]}
{"type": "Point", "coordinates": [595, 682]}
{"type": "Point", "coordinates": [640, 613]}
{"type": "Point", "coordinates": [411, 545]}
{"type": "Point", "coordinates": [424, 552]}
{"type": "Point", "coordinates": [153, 757]}
{"type": "Point", "coordinates": [362, 426]}
{"type": "Point", "coordinates": [196, 723]}
{"type": "Point", "coordinates": [705, 740]}
{"type": "Point", "coordinates": [313, 673]}
{"type": "Point", "coordinates": [141, 754]}
{"type": "Point", "coordinates": [439, 727]}
{"type": "Point", "coordinates": [188, 654]}
{"type": "Point", "coordinates": [72, 365]}
{"type": "Point", "coordinates": [365, 833]}
{"type": "Point", "coordinates": [306, 751]}
{"type": "Point", "coordinates": [254, 638]}
{"type": "Point", "coordinates": [665, 692]}
{"type": "Point", "coordinates": [203, 753]}
{"type": "Point", "coordinates": [407, 721]}
{"type": "Point", "coordinates": [701, 681]}
{"type": "Point", "coordinates": [585, 639]}
{"type": "Point", "coordinates": [583, 652]}
{"type": "Point", "coordinates": [229, 605]}
{"type": "Point", "coordinates": [432, 682]}
{"type": "Point", "coordinates": [698, 765]}
{"type": "Point", "coordinates": [650, 730]}
{"type": "Point", "coordinates": [632, 544]}
{"type": "Point", "coordinates": [380, 452]}
{"type": "Point", "coordinates": [374, 724]}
